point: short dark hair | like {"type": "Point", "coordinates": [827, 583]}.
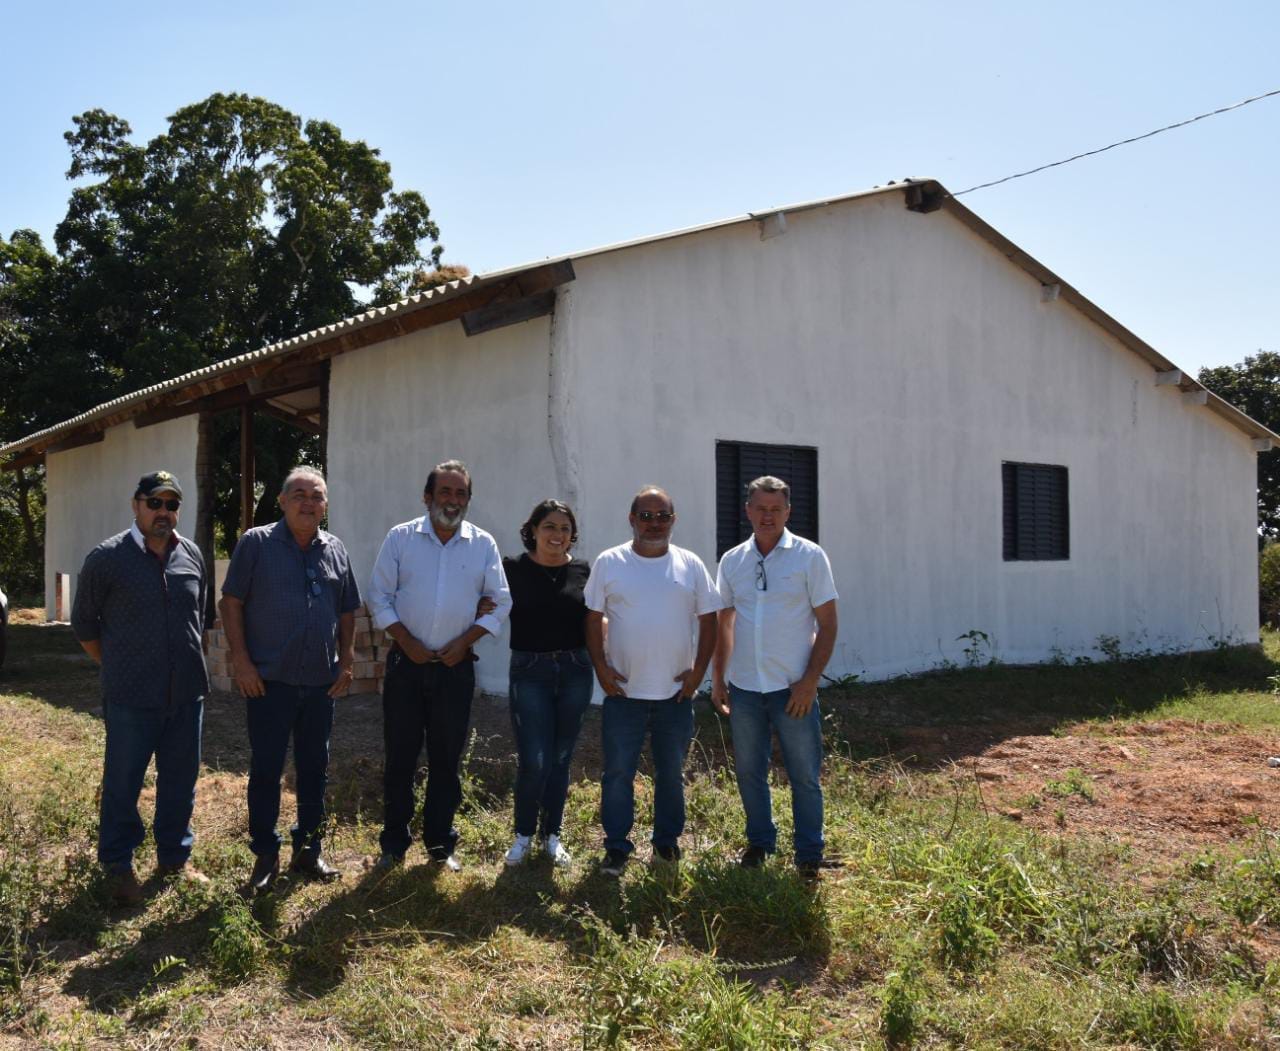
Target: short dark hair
{"type": "Point", "coordinates": [449, 465]}
{"type": "Point", "coordinates": [767, 483]}
{"type": "Point", "coordinates": [539, 513]}
{"type": "Point", "coordinates": [655, 490]}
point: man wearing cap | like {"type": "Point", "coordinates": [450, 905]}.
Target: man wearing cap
{"type": "Point", "coordinates": [139, 612]}
{"type": "Point", "coordinates": [288, 608]}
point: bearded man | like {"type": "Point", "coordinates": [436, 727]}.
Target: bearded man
{"type": "Point", "coordinates": [427, 582]}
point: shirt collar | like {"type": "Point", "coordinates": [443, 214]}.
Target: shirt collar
{"type": "Point", "coordinates": [141, 541]}
{"type": "Point", "coordinates": [466, 531]}
{"type": "Point", "coordinates": [785, 541]}
{"type": "Point", "coordinates": [280, 531]}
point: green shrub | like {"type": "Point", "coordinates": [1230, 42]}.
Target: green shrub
{"type": "Point", "coordinates": [237, 948]}
{"type": "Point", "coordinates": [1269, 584]}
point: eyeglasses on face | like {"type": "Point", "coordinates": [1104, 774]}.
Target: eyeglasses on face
{"type": "Point", "coordinates": [313, 584]}
{"type": "Point", "coordinates": [655, 516]}
{"type": "Point", "coordinates": [762, 578]}
{"type": "Point", "coordinates": [154, 503]}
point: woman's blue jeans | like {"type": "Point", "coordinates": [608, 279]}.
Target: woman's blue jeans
{"type": "Point", "coordinates": [752, 716]}
{"type": "Point", "coordinates": [549, 695]}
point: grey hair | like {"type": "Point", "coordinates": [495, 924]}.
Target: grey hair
{"type": "Point", "coordinates": [453, 466]}
{"type": "Point", "coordinates": [302, 471]}
{"type": "Point", "coordinates": [767, 483]}
{"type": "Point", "coordinates": [652, 490]}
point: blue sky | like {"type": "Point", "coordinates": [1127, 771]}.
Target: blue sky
{"type": "Point", "coordinates": [534, 130]}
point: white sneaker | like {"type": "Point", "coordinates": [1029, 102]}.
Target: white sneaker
{"type": "Point", "coordinates": [557, 853]}
{"type": "Point", "coordinates": [519, 851]}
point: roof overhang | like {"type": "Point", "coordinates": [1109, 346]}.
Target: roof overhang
{"type": "Point", "coordinates": [281, 378]}
{"type": "Point", "coordinates": [276, 376]}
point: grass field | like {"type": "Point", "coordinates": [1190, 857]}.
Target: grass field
{"type": "Point", "coordinates": [984, 901]}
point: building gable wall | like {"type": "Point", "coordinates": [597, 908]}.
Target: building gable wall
{"type": "Point", "coordinates": [911, 354]}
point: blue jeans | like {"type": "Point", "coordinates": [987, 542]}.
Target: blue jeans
{"type": "Point", "coordinates": [669, 724]}
{"type": "Point", "coordinates": [134, 735]}
{"type": "Point", "coordinates": [751, 716]}
{"type": "Point", "coordinates": [549, 695]}
{"type": "Point", "coordinates": [306, 713]}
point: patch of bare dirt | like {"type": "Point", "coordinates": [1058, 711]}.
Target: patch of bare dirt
{"type": "Point", "coordinates": [1165, 787]}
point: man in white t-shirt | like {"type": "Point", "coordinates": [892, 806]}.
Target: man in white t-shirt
{"type": "Point", "coordinates": [776, 633]}
{"type": "Point", "coordinates": [657, 599]}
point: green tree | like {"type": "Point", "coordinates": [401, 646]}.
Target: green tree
{"type": "Point", "coordinates": [1254, 387]}
{"type": "Point", "coordinates": [237, 227]}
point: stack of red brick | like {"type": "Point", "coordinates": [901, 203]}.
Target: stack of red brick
{"type": "Point", "coordinates": [371, 656]}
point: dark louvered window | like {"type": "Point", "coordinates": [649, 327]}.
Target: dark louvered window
{"type": "Point", "coordinates": [1036, 525]}
{"type": "Point", "coordinates": [739, 463]}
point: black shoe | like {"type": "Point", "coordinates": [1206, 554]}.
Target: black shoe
{"type": "Point", "coordinates": [811, 871]}
{"type": "Point", "coordinates": [613, 862]}
{"type": "Point", "coordinates": [388, 861]}
{"type": "Point", "coordinates": [313, 866]}
{"type": "Point", "coordinates": [753, 857]}
{"type": "Point", "coordinates": [669, 854]}
{"type": "Point", "coordinates": [446, 859]}
{"type": "Point", "coordinates": [265, 870]}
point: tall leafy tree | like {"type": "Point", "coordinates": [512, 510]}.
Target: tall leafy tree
{"type": "Point", "coordinates": [239, 226]}
{"type": "Point", "coordinates": [1254, 387]}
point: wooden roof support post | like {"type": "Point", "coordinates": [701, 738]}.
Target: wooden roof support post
{"type": "Point", "coordinates": [206, 495]}
{"type": "Point", "coordinates": [324, 418]}
{"type": "Point", "coordinates": [247, 500]}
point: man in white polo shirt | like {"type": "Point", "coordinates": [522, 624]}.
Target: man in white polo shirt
{"type": "Point", "coordinates": [657, 597]}
{"type": "Point", "coordinates": [776, 633]}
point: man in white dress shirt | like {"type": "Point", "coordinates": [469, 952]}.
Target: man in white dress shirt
{"type": "Point", "coordinates": [657, 598]}
{"type": "Point", "coordinates": [427, 581]}
{"type": "Point", "coordinates": [776, 633]}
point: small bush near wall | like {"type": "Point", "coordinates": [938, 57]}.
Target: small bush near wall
{"type": "Point", "coordinates": [1269, 583]}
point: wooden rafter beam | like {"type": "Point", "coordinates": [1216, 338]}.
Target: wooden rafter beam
{"type": "Point", "coordinates": [300, 420]}
{"type": "Point", "coordinates": [508, 312]}
{"type": "Point", "coordinates": [19, 462]}
{"type": "Point", "coordinates": [75, 442]}
{"type": "Point", "coordinates": [224, 400]}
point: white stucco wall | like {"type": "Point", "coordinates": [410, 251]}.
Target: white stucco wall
{"type": "Point", "coordinates": [90, 491]}
{"type": "Point", "coordinates": [914, 357]}
{"type": "Point", "coordinates": [397, 408]}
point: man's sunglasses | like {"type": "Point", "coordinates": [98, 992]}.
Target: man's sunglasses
{"type": "Point", "coordinates": [154, 503]}
{"type": "Point", "coordinates": [655, 516]}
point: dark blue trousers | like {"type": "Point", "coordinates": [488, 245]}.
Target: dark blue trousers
{"type": "Point", "coordinates": [304, 713]}
{"type": "Point", "coordinates": [134, 735]}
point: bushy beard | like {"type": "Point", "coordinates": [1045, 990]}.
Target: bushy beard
{"type": "Point", "coordinates": [445, 520]}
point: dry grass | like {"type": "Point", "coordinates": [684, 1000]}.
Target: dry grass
{"type": "Point", "coordinates": [951, 924]}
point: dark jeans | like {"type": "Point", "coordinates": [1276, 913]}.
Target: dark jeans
{"type": "Point", "coordinates": [549, 694]}
{"type": "Point", "coordinates": [433, 703]}
{"type": "Point", "coordinates": [134, 735]}
{"type": "Point", "coordinates": [306, 713]}
{"type": "Point", "coordinates": [754, 717]}
{"type": "Point", "coordinates": [669, 725]}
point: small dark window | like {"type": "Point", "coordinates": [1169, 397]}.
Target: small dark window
{"type": "Point", "coordinates": [739, 463]}
{"type": "Point", "coordinates": [1036, 526]}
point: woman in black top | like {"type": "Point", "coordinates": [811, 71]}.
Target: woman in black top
{"type": "Point", "coordinates": [551, 675]}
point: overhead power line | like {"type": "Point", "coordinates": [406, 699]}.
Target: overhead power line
{"type": "Point", "coordinates": [1122, 142]}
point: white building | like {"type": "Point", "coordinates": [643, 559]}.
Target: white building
{"type": "Point", "coordinates": [977, 446]}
